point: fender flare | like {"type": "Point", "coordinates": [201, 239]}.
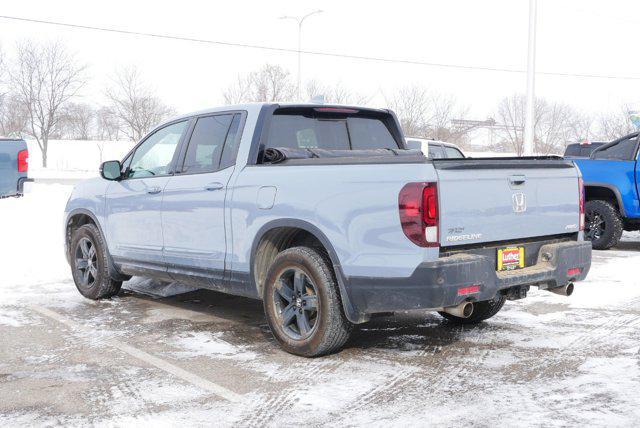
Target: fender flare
{"type": "Point", "coordinates": [113, 270]}
{"type": "Point", "coordinates": [351, 312]}
{"type": "Point", "coordinates": [615, 192]}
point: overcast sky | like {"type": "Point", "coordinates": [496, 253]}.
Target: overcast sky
{"type": "Point", "coordinates": [574, 36]}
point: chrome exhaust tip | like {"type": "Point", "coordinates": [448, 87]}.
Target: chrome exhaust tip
{"type": "Point", "coordinates": [463, 310]}
{"type": "Point", "coordinates": [566, 290]}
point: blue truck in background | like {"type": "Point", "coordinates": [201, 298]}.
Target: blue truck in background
{"type": "Point", "coordinates": [612, 182]}
{"type": "Point", "coordinates": [14, 167]}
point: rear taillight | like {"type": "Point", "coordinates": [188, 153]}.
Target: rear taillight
{"type": "Point", "coordinates": [23, 161]}
{"type": "Point", "coordinates": [418, 205]}
{"type": "Point", "coordinates": [582, 197]}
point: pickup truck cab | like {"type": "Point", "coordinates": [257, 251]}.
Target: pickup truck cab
{"type": "Point", "coordinates": [14, 167]}
{"type": "Point", "coordinates": [612, 183]}
{"type": "Point", "coordinates": [435, 149]}
{"type": "Point", "coordinates": [325, 215]}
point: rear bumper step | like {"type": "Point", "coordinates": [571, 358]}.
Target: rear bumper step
{"type": "Point", "coordinates": [446, 282]}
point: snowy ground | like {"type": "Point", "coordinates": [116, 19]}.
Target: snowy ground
{"type": "Point", "coordinates": [208, 359]}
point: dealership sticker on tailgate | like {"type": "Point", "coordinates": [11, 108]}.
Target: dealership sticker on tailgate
{"type": "Point", "coordinates": [510, 258]}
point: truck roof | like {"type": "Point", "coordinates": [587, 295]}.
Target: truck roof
{"type": "Point", "coordinates": [428, 140]}
{"type": "Point", "coordinates": [255, 107]}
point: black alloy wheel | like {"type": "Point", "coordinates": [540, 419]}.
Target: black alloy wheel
{"type": "Point", "coordinates": [296, 301]}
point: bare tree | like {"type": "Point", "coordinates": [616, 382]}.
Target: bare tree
{"type": "Point", "coordinates": [77, 121]}
{"type": "Point", "coordinates": [270, 83]}
{"type": "Point", "coordinates": [412, 106]}
{"type": "Point", "coordinates": [14, 117]}
{"type": "Point", "coordinates": [511, 115]}
{"type": "Point", "coordinates": [555, 124]}
{"type": "Point", "coordinates": [107, 126]}
{"type": "Point", "coordinates": [554, 128]}
{"type": "Point", "coordinates": [443, 109]}
{"type": "Point", "coordinates": [45, 78]}
{"type": "Point", "coordinates": [581, 128]}
{"type": "Point", "coordinates": [615, 124]}
{"type": "Point", "coordinates": [427, 114]}
{"type": "Point", "coordinates": [134, 104]}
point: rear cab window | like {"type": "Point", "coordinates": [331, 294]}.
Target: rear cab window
{"type": "Point", "coordinates": [332, 129]}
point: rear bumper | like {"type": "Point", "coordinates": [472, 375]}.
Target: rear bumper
{"type": "Point", "coordinates": [435, 284]}
{"type": "Point", "coordinates": [23, 186]}
{"type": "Point", "coordinates": [20, 188]}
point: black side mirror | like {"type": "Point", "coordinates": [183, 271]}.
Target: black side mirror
{"type": "Point", "coordinates": [111, 170]}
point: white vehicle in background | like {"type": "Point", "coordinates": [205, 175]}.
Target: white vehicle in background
{"type": "Point", "coordinates": [435, 149]}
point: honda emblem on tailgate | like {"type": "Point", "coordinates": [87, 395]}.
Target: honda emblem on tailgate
{"type": "Point", "coordinates": [519, 202]}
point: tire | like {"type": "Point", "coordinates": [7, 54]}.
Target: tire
{"type": "Point", "coordinates": [302, 304]}
{"type": "Point", "coordinates": [90, 264]}
{"type": "Point", "coordinates": [481, 311]}
{"type": "Point", "coordinates": [603, 224]}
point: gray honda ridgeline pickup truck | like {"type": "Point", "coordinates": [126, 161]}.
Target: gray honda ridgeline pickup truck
{"type": "Point", "coordinates": [325, 215]}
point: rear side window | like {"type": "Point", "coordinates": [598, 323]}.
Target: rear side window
{"type": "Point", "coordinates": [623, 150]}
{"type": "Point", "coordinates": [230, 151]}
{"type": "Point", "coordinates": [452, 153]}
{"type": "Point", "coordinates": [435, 151]}
{"type": "Point", "coordinates": [206, 144]}
{"type": "Point", "coordinates": [297, 131]}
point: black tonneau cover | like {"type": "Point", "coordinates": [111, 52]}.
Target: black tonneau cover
{"type": "Point", "coordinates": [525, 162]}
{"type": "Point", "coordinates": [281, 154]}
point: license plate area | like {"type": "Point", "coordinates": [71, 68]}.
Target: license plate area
{"type": "Point", "coordinates": [510, 258]}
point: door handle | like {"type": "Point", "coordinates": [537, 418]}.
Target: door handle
{"type": "Point", "coordinates": [154, 190]}
{"type": "Point", "coordinates": [213, 186]}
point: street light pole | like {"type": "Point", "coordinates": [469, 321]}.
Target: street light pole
{"type": "Point", "coordinates": [300, 21]}
{"type": "Point", "coordinates": [529, 131]}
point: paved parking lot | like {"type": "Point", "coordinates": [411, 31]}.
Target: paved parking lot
{"type": "Point", "coordinates": [209, 359]}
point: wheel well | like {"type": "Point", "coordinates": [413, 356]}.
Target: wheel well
{"type": "Point", "coordinates": [75, 222]}
{"type": "Point", "coordinates": [275, 241]}
{"type": "Point", "coordinates": [601, 193]}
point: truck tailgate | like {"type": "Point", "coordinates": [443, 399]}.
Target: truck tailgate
{"type": "Point", "coordinates": [503, 199]}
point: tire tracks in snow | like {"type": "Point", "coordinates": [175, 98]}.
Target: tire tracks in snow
{"type": "Point", "coordinates": [404, 380]}
{"type": "Point", "coordinates": [596, 334]}
{"type": "Point", "coordinates": [300, 374]}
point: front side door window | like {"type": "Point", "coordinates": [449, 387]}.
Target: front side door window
{"type": "Point", "coordinates": [154, 157]}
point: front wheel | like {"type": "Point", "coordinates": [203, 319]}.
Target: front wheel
{"type": "Point", "coordinates": [89, 264]}
{"type": "Point", "coordinates": [302, 304]}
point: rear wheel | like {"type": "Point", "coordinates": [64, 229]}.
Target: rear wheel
{"type": "Point", "coordinates": [481, 311]}
{"type": "Point", "coordinates": [603, 224]}
{"type": "Point", "coordinates": [302, 304]}
{"type": "Point", "coordinates": [89, 264]}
